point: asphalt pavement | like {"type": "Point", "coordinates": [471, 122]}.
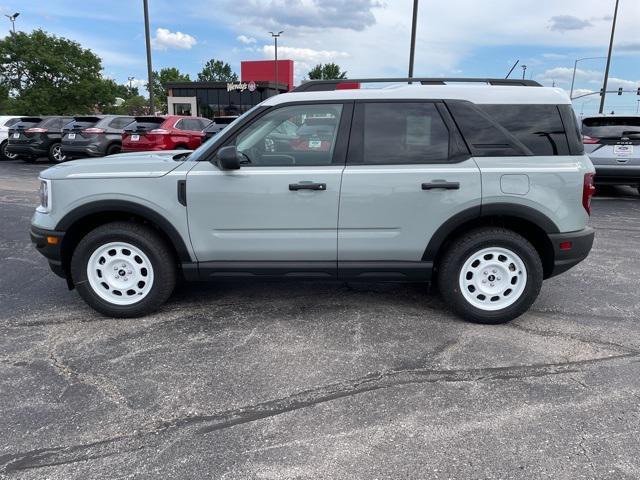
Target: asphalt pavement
{"type": "Point", "coordinates": [320, 380]}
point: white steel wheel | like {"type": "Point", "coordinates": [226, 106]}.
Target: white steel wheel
{"type": "Point", "coordinates": [493, 278]}
{"type": "Point", "coordinates": [120, 273]}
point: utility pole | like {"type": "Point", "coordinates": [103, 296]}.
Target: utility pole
{"type": "Point", "coordinates": [12, 19]}
{"type": "Point", "coordinates": [275, 39]}
{"type": "Point", "coordinates": [412, 48]}
{"type": "Point", "coordinates": [149, 67]}
{"type": "Point", "coordinates": [606, 71]}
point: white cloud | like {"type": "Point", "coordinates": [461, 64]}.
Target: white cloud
{"type": "Point", "coordinates": [166, 39]}
{"type": "Point", "coordinates": [304, 54]}
{"type": "Point", "coordinates": [245, 40]}
{"type": "Point", "coordinates": [562, 23]}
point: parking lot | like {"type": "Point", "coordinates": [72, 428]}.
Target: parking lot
{"type": "Point", "coordinates": [320, 380]}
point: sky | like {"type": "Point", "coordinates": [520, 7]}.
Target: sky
{"type": "Point", "coordinates": [367, 38]}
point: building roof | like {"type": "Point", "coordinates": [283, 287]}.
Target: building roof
{"type": "Point", "coordinates": [481, 94]}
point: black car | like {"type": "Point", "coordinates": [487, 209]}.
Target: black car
{"type": "Point", "coordinates": [35, 137]}
{"type": "Point", "coordinates": [218, 124]}
{"type": "Point", "coordinates": [94, 136]}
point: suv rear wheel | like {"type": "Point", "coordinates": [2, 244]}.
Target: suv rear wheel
{"type": "Point", "coordinates": [490, 275]}
{"type": "Point", "coordinates": [123, 269]}
{"type": "Point", "coordinates": [113, 149]}
{"type": "Point", "coordinates": [4, 155]}
{"type": "Point", "coordinates": [55, 153]}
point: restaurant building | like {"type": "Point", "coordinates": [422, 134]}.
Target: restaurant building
{"type": "Point", "coordinates": [220, 99]}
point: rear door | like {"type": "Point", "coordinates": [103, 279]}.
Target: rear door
{"type": "Point", "coordinates": [279, 211]}
{"type": "Point", "coordinates": [407, 173]}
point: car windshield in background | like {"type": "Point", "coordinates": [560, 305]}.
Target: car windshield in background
{"type": "Point", "coordinates": [611, 127]}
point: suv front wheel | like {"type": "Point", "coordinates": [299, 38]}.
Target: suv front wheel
{"type": "Point", "coordinates": [123, 269]}
{"type": "Point", "coordinates": [490, 275]}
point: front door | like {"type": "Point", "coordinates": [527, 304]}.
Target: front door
{"type": "Point", "coordinates": [407, 173]}
{"type": "Point", "coordinates": [279, 211]}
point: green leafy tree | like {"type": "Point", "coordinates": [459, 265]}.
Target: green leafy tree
{"type": "Point", "coordinates": [168, 74]}
{"type": "Point", "coordinates": [328, 71]}
{"type": "Point", "coordinates": [217, 71]}
{"type": "Point", "coordinates": [47, 75]}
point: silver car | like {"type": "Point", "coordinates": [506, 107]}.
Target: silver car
{"type": "Point", "coordinates": [613, 144]}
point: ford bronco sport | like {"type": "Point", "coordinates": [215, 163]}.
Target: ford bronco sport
{"type": "Point", "coordinates": [480, 184]}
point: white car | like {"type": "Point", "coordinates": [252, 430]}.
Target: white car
{"type": "Point", "coordinates": [5, 122]}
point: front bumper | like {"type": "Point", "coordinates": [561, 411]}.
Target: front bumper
{"type": "Point", "coordinates": [49, 244]}
{"type": "Point", "coordinates": [580, 246]}
{"type": "Point", "coordinates": [617, 175]}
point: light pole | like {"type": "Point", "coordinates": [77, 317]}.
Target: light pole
{"type": "Point", "coordinates": [12, 19]}
{"type": "Point", "coordinates": [149, 67]}
{"type": "Point", "coordinates": [412, 48]}
{"type": "Point", "coordinates": [275, 39]}
{"type": "Point", "coordinates": [638, 107]}
{"type": "Point", "coordinates": [131, 79]}
{"type": "Point", "coordinates": [524, 71]}
{"type": "Point", "coordinates": [575, 66]}
{"type": "Point", "coordinates": [606, 71]}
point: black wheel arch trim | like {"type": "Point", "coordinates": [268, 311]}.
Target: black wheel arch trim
{"type": "Point", "coordinates": [124, 206]}
{"type": "Point", "coordinates": [487, 210]}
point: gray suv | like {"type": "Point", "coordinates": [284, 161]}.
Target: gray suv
{"type": "Point", "coordinates": [94, 136]}
{"type": "Point", "coordinates": [483, 186]}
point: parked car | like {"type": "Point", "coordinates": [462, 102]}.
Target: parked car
{"type": "Point", "coordinates": [613, 144]}
{"type": "Point", "coordinates": [478, 186]}
{"type": "Point", "coordinates": [31, 139]}
{"type": "Point", "coordinates": [171, 132]}
{"type": "Point", "coordinates": [94, 136]}
{"type": "Point", "coordinates": [216, 126]}
{"type": "Point", "coordinates": [6, 121]}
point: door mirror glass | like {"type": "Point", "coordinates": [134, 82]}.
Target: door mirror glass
{"type": "Point", "coordinates": [227, 158]}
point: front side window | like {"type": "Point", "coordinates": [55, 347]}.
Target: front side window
{"type": "Point", "coordinates": [301, 135]}
{"type": "Point", "coordinates": [403, 133]}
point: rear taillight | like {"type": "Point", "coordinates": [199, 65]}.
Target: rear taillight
{"type": "Point", "coordinates": [160, 131]}
{"type": "Point", "coordinates": [587, 140]}
{"type": "Point", "coordinates": [36, 130]}
{"type": "Point", "coordinates": [588, 189]}
{"type": "Point", "coordinates": [93, 130]}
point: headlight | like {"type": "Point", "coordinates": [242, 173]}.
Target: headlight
{"type": "Point", "coordinates": [45, 196]}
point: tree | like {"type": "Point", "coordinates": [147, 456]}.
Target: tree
{"type": "Point", "coordinates": [328, 71]}
{"type": "Point", "coordinates": [168, 74]}
{"type": "Point", "coordinates": [47, 75]}
{"type": "Point", "coordinates": [217, 71]}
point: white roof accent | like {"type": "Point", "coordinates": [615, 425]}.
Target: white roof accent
{"type": "Point", "coordinates": [491, 94]}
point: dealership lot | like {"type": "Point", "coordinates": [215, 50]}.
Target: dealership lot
{"type": "Point", "coordinates": [320, 380]}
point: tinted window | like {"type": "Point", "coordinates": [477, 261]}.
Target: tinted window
{"type": "Point", "coordinates": [120, 122]}
{"type": "Point", "coordinates": [611, 127]}
{"type": "Point", "coordinates": [539, 127]}
{"type": "Point", "coordinates": [266, 143]}
{"type": "Point", "coordinates": [145, 124]}
{"type": "Point", "coordinates": [11, 121]}
{"type": "Point", "coordinates": [401, 133]}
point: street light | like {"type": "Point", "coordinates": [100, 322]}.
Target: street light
{"type": "Point", "coordinates": [412, 48]}
{"type": "Point", "coordinates": [524, 71]}
{"type": "Point", "coordinates": [575, 65]}
{"type": "Point", "coordinates": [12, 19]}
{"type": "Point", "coordinates": [131, 79]}
{"type": "Point", "coordinates": [275, 39]}
{"type": "Point", "coordinates": [606, 71]}
{"type": "Point", "coordinates": [149, 67]}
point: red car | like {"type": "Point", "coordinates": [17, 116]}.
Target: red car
{"type": "Point", "coordinates": [172, 132]}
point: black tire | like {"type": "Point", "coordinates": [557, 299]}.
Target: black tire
{"type": "Point", "coordinates": [4, 155]}
{"type": "Point", "coordinates": [150, 243]}
{"type": "Point", "coordinates": [113, 149]}
{"type": "Point", "coordinates": [463, 248]}
{"type": "Point", "coordinates": [55, 153]}
{"type": "Point", "coordinates": [181, 147]}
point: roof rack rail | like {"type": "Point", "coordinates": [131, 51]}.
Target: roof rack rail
{"type": "Point", "coordinates": [326, 85]}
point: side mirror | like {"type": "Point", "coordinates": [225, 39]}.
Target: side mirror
{"type": "Point", "coordinates": [228, 158]}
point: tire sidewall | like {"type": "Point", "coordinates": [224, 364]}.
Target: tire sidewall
{"type": "Point", "coordinates": [450, 279]}
{"type": "Point", "coordinates": [163, 272]}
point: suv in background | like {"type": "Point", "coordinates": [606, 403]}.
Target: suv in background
{"type": "Point", "coordinates": [613, 144]}
{"type": "Point", "coordinates": [94, 136]}
{"type": "Point", "coordinates": [31, 141]}
{"type": "Point", "coordinates": [484, 187]}
{"type": "Point", "coordinates": [6, 122]}
{"type": "Point", "coordinates": [216, 126]}
{"type": "Point", "coordinates": [171, 132]}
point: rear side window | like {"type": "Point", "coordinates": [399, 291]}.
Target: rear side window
{"type": "Point", "coordinates": [538, 127]}
{"type": "Point", "coordinates": [401, 133]}
{"type": "Point", "coordinates": [611, 127]}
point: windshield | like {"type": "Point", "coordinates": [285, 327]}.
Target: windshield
{"type": "Point", "coordinates": [206, 146]}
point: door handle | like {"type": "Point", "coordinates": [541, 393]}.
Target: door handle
{"type": "Point", "coordinates": [307, 186]}
{"type": "Point", "coordinates": [441, 184]}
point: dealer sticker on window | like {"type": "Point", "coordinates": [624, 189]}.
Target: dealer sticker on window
{"type": "Point", "coordinates": [623, 150]}
{"type": "Point", "coordinates": [315, 143]}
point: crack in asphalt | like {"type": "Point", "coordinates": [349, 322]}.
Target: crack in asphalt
{"type": "Point", "coordinates": [308, 398]}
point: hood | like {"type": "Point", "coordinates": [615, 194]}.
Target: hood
{"type": "Point", "coordinates": [122, 165]}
